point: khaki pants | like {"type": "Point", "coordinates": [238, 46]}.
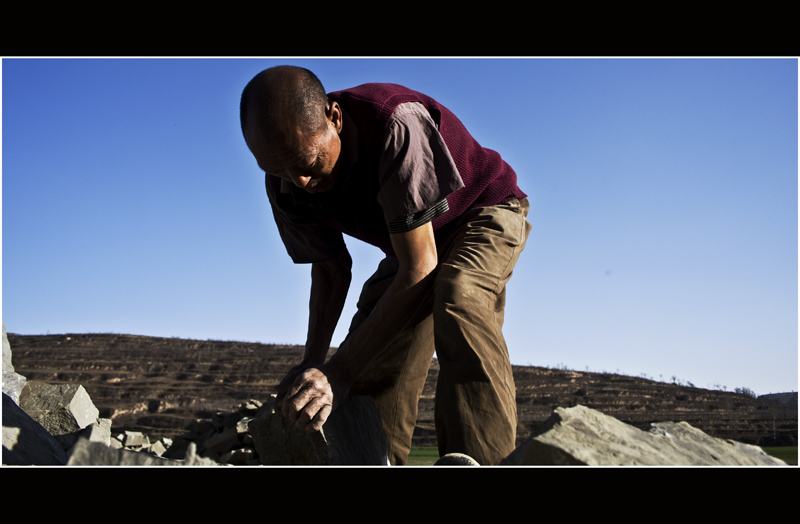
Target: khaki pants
{"type": "Point", "coordinates": [461, 321]}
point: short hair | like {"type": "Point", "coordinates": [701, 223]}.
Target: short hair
{"type": "Point", "coordinates": [295, 90]}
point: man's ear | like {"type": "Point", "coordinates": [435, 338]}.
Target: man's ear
{"type": "Point", "coordinates": [333, 112]}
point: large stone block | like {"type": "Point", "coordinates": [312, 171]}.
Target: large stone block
{"type": "Point", "coordinates": [25, 441]}
{"type": "Point", "coordinates": [99, 431]}
{"type": "Point", "coordinates": [352, 435]}
{"type": "Point", "coordinates": [59, 408]}
{"type": "Point", "coordinates": [583, 436]}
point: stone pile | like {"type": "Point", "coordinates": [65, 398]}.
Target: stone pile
{"type": "Point", "coordinates": [254, 434]}
{"type": "Point", "coordinates": [57, 424]}
{"type": "Point", "coordinates": [225, 438]}
{"type": "Point", "coordinates": [43, 423]}
{"type": "Point", "coordinates": [50, 420]}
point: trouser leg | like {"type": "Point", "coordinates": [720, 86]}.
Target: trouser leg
{"type": "Point", "coordinates": [396, 380]}
{"type": "Point", "coordinates": [475, 397]}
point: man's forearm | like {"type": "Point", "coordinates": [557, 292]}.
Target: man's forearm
{"type": "Point", "coordinates": [311, 396]}
{"type": "Point", "coordinates": [391, 314]}
{"type": "Point", "coordinates": [416, 252]}
{"type": "Point", "coordinates": [330, 281]}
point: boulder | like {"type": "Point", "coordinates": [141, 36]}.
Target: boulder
{"type": "Point", "coordinates": [59, 408]}
{"type": "Point", "coordinates": [352, 435]}
{"type": "Point", "coordinates": [99, 431]}
{"type": "Point", "coordinates": [12, 382]}
{"type": "Point", "coordinates": [25, 441]}
{"type": "Point", "coordinates": [583, 436]}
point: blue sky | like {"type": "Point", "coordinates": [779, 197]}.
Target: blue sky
{"type": "Point", "coordinates": [663, 193]}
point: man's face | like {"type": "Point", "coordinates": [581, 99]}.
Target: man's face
{"type": "Point", "coordinates": [309, 162]}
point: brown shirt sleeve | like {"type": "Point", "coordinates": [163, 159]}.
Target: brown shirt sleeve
{"type": "Point", "coordinates": [416, 170]}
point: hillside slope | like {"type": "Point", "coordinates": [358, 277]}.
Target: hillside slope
{"type": "Point", "coordinates": [160, 385]}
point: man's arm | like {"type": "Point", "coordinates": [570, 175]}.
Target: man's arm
{"type": "Point", "coordinates": [316, 392]}
{"type": "Point", "coordinates": [416, 252]}
{"type": "Point", "coordinates": [330, 281]}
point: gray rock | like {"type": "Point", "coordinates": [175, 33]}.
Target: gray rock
{"type": "Point", "coordinates": [239, 457]}
{"type": "Point", "coordinates": [352, 435]}
{"type": "Point", "coordinates": [12, 382]}
{"type": "Point", "coordinates": [99, 431]}
{"type": "Point", "coordinates": [456, 459]}
{"type": "Point", "coordinates": [221, 442]}
{"type": "Point", "coordinates": [135, 440]}
{"type": "Point", "coordinates": [25, 441]}
{"type": "Point", "coordinates": [86, 453]}
{"type": "Point", "coordinates": [582, 436]}
{"type": "Point", "coordinates": [60, 408]}
{"type": "Point", "coordinates": [157, 448]}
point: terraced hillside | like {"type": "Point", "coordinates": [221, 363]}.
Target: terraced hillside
{"type": "Point", "coordinates": [160, 385]}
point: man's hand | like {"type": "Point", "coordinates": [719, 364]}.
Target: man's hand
{"type": "Point", "coordinates": [311, 391]}
{"type": "Point", "coordinates": [292, 375]}
{"type": "Point", "coordinates": [311, 397]}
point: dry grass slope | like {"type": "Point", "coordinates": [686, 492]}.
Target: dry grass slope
{"type": "Point", "coordinates": [161, 385]}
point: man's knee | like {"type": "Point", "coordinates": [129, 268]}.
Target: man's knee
{"type": "Point", "coordinates": [462, 290]}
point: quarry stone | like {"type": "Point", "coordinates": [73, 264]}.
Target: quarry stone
{"type": "Point", "coordinates": [99, 431]}
{"type": "Point", "coordinates": [13, 382]}
{"type": "Point", "coordinates": [25, 441]}
{"type": "Point", "coordinates": [240, 457]}
{"type": "Point", "coordinates": [86, 453]}
{"type": "Point", "coordinates": [219, 442]}
{"type": "Point", "coordinates": [456, 459]}
{"type": "Point", "coordinates": [157, 448]}
{"type": "Point", "coordinates": [352, 435]}
{"type": "Point", "coordinates": [135, 440]}
{"type": "Point", "coordinates": [583, 436]}
{"type": "Point", "coordinates": [59, 408]}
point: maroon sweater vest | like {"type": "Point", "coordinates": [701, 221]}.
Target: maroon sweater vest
{"type": "Point", "coordinates": [487, 178]}
{"type": "Point", "coordinates": [353, 209]}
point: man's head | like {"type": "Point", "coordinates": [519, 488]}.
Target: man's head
{"type": "Point", "coordinates": [291, 127]}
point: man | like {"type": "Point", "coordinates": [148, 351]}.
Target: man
{"type": "Point", "coordinates": [394, 168]}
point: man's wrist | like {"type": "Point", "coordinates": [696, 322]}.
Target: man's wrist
{"type": "Point", "coordinates": [315, 353]}
{"type": "Point", "coordinates": [337, 372]}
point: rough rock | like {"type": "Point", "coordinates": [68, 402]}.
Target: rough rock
{"type": "Point", "coordinates": [59, 408]}
{"type": "Point", "coordinates": [352, 435]}
{"type": "Point", "coordinates": [225, 438]}
{"type": "Point", "coordinates": [57, 424]}
{"type": "Point", "coordinates": [70, 433]}
{"type": "Point", "coordinates": [135, 440]}
{"type": "Point", "coordinates": [25, 441]}
{"type": "Point", "coordinates": [582, 436]}
{"type": "Point", "coordinates": [13, 382]}
{"type": "Point", "coordinates": [86, 453]}
{"type": "Point", "coordinates": [99, 431]}
{"type": "Point", "coordinates": [456, 459]}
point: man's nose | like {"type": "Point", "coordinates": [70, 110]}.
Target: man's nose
{"type": "Point", "coordinates": [300, 179]}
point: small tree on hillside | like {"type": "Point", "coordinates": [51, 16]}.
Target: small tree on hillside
{"type": "Point", "coordinates": [746, 392]}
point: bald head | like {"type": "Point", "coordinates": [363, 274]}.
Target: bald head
{"type": "Point", "coordinates": [281, 98]}
{"type": "Point", "coordinates": [291, 129]}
